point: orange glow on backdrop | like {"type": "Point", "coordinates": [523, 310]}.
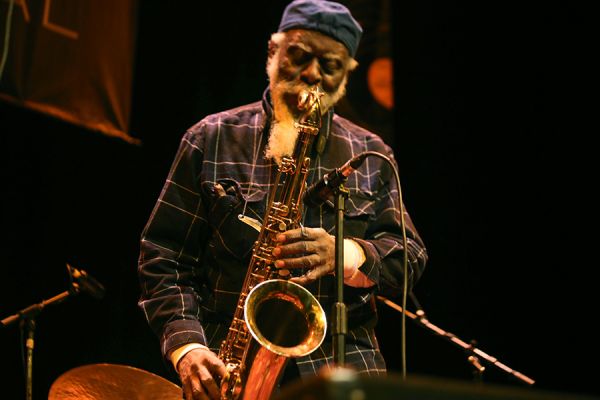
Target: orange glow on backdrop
{"type": "Point", "coordinates": [72, 60]}
{"type": "Point", "coordinates": [380, 80]}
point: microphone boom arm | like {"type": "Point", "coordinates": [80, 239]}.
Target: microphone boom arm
{"type": "Point", "coordinates": [473, 351]}
{"type": "Point", "coordinates": [27, 316]}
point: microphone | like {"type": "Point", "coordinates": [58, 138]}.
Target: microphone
{"type": "Point", "coordinates": [86, 283]}
{"type": "Point", "coordinates": [320, 192]}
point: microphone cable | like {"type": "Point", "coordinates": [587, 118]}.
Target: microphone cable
{"type": "Point", "coordinates": [404, 259]}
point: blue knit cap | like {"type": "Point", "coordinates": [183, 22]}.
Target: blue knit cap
{"type": "Point", "coordinates": [328, 17]}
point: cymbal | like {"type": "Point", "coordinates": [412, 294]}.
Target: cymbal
{"type": "Point", "coordinates": [112, 382]}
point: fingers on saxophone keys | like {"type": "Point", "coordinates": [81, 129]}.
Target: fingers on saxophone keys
{"type": "Point", "coordinates": [211, 388]}
{"type": "Point", "coordinates": [308, 261]}
{"type": "Point", "coordinates": [195, 392]}
{"type": "Point", "coordinates": [307, 278]}
{"type": "Point", "coordinates": [295, 248]}
{"type": "Point", "coordinates": [301, 280]}
{"type": "Point", "coordinates": [303, 233]}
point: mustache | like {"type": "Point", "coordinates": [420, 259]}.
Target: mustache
{"type": "Point", "coordinates": [291, 88]}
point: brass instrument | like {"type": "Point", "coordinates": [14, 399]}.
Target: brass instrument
{"type": "Point", "coordinates": [275, 319]}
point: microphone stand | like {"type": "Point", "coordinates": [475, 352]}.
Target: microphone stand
{"type": "Point", "coordinates": [473, 353]}
{"type": "Point", "coordinates": [340, 321]}
{"type": "Point", "coordinates": [332, 184]}
{"type": "Point", "coordinates": [26, 317]}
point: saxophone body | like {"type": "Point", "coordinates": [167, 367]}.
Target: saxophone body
{"type": "Point", "coordinates": [275, 319]}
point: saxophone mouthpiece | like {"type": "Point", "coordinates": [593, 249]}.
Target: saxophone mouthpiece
{"type": "Point", "coordinates": [307, 98]}
{"type": "Point", "coordinates": [309, 102]}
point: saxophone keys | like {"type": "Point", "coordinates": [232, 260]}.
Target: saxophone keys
{"type": "Point", "coordinates": [231, 383]}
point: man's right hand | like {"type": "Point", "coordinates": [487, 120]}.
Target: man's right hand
{"type": "Point", "coordinates": [200, 371]}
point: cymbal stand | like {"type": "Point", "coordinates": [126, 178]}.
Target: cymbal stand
{"type": "Point", "coordinates": [26, 318]}
{"type": "Point", "coordinates": [473, 353]}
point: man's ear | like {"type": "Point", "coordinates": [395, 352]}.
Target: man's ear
{"type": "Point", "coordinates": [352, 64]}
{"type": "Point", "coordinates": [272, 48]}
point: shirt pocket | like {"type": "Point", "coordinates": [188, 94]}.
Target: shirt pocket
{"type": "Point", "coordinates": [231, 237]}
{"type": "Point", "coordinates": [359, 213]}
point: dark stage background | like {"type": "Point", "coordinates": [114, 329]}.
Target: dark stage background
{"type": "Point", "coordinates": [482, 138]}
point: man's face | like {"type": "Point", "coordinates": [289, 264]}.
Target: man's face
{"type": "Point", "coordinates": [307, 58]}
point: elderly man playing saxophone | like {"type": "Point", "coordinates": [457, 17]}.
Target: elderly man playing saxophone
{"type": "Point", "coordinates": [195, 248]}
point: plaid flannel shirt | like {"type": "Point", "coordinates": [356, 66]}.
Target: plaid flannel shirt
{"type": "Point", "coordinates": [195, 251]}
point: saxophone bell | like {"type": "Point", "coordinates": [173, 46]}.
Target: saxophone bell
{"type": "Point", "coordinates": [285, 318]}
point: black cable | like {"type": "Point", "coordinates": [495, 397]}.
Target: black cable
{"type": "Point", "coordinates": [320, 192]}
{"type": "Point", "coordinates": [405, 258]}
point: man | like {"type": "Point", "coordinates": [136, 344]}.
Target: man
{"type": "Point", "coordinates": [195, 249]}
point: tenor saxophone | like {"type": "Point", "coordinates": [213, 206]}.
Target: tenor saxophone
{"type": "Point", "coordinates": [275, 319]}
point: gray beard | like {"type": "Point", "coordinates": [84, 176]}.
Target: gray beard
{"type": "Point", "coordinates": [283, 134]}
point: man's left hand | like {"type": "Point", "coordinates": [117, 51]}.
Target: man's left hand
{"type": "Point", "coordinates": [310, 248]}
